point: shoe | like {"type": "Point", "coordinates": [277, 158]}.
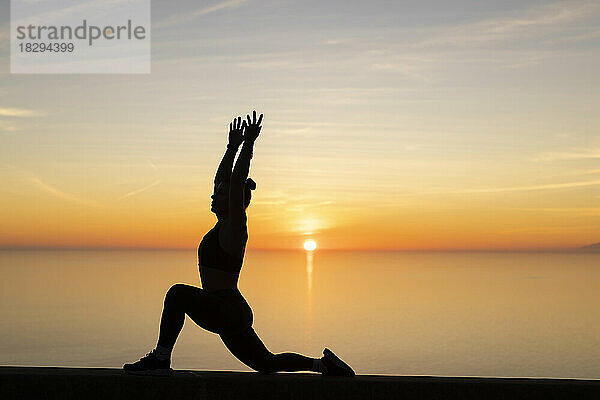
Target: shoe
{"type": "Point", "coordinates": [335, 366]}
{"type": "Point", "coordinates": [150, 365]}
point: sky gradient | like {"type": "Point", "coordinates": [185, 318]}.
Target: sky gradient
{"type": "Point", "coordinates": [388, 125]}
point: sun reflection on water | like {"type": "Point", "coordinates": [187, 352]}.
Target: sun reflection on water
{"type": "Point", "coordinates": [309, 284]}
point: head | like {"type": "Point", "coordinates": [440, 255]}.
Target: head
{"type": "Point", "coordinates": [220, 199]}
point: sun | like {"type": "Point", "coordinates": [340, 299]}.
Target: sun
{"type": "Point", "coordinates": [310, 245]}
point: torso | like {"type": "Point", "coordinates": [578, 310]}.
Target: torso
{"type": "Point", "coordinates": [218, 268]}
{"type": "Point", "coordinates": [213, 279]}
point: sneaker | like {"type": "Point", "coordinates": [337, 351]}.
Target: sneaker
{"type": "Point", "coordinates": [335, 366]}
{"type": "Point", "coordinates": [150, 365]}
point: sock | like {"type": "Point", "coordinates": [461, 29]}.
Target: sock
{"type": "Point", "coordinates": [163, 353]}
{"type": "Point", "coordinates": [318, 366]}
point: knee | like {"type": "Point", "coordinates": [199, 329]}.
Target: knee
{"type": "Point", "coordinates": [266, 364]}
{"type": "Point", "coordinates": [174, 294]}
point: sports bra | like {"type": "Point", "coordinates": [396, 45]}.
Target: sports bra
{"type": "Point", "coordinates": [212, 255]}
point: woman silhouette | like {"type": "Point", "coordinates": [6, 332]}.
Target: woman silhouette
{"type": "Point", "coordinates": [219, 306]}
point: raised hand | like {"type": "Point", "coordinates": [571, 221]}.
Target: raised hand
{"type": "Point", "coordinates": [252, 127]}
{"type": "Point", "coordinates": [236, 129]}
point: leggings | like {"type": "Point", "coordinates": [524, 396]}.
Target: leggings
{"type": "Point", "coordinates": [226, 313]}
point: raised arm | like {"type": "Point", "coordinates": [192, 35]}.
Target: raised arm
{"type": "Point", "coordinates": [242, 166]}
{"type": "Point", "coordinates": [235, 232]}
{"type": "Point", "coordinates": [235, 139]}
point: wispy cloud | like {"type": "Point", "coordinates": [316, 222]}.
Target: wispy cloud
{"type": "Point", "coordinates": [53, 190]}
{"type": "Point", "coordinates": [332, 42]}
{"type": "Point", "coordinates": [143, 188]}
{"type": "Point", "coordinates": [588, 34]}
{"type": "Point", "coordinates": [9, 128]}
{"type": "Point", "coordinates": [47, 188]}
{"type": "Point", "coordinates": [548, 186]}
{"type": "Point", "coordinates": [575, 154]}
{"type": "Point", "coordinates": [411, 68]}
{"type": "Point", "coordinates": [18, 112]}
{"type": "Point", "coordinates": [182, 19]}
{"type": "Point", "coordinates": [577, 211]}
{"type": "Point", "coordinates": [549, 14]}
{"type": "Point", "coordinates": [590, 172]}
{"type": "Point", "coordinates": [543, 230]}
{"type": "Point", "coordinates": [140, 190]}
{"type": "Point", "coordinates": [533, 22]}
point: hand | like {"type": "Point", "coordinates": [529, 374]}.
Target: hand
{"type": "Point", "coordinates": [252, 127]}
{"type": "Point", "coordinates": [236, 136]}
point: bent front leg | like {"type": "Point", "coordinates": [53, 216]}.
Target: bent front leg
{"type": "Point", "coordinates": [180, 300]}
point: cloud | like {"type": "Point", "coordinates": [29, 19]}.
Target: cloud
{"type": "Point", "coordinates": [550, 14]}
{"type": "Point", "coordinates": [332, 42]}
{"type": "Point", "coordinates": [411, 68]}
{"type": "Point", "coordinates": [577, 211]}
{"type": "Point", "coordinates": [17, 112]}
{"type": "Point", "coordinates": [143, 188]}
{"type": "Point", "coordinates": [589, 34]}
{"type": "Point", "coordinates": [8, 126]}
{"type": "Point", "coordinates": [548, 186]}
{"type": "Point", "coordinates": [581, 154]}
{"type": "Point", "coordinates": [45, 187]}
{"type": "Point", "coordinates": [542, 230]}
{"type": "Point", "coordinates": [529, 23]}
{"type": "Point", "coordinates": [182, 19]}
{"type": "Point", "coordinates": [52, 190]}
{"type": "Point", "coordinates": [140, 190]}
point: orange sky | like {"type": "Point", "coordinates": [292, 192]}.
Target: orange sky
{"type": "Point", "coordinates": [435, 221]}
{"type": "Point", "coordinates": [384, 129]}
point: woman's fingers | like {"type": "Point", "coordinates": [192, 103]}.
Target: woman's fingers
{"type": "Point", "coordinates": [236, 124]}
{"type": "Point", "coordinates": [241, 123]}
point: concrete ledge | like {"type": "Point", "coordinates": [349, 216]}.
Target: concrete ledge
{"type": "Point", "coordinates": [104, 383]}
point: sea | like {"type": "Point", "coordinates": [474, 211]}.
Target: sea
{"type": "Point", "coordinates": [492, 314]}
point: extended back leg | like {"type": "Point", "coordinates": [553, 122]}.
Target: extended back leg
{"type": "Point", "coordinates": [249, 349]}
